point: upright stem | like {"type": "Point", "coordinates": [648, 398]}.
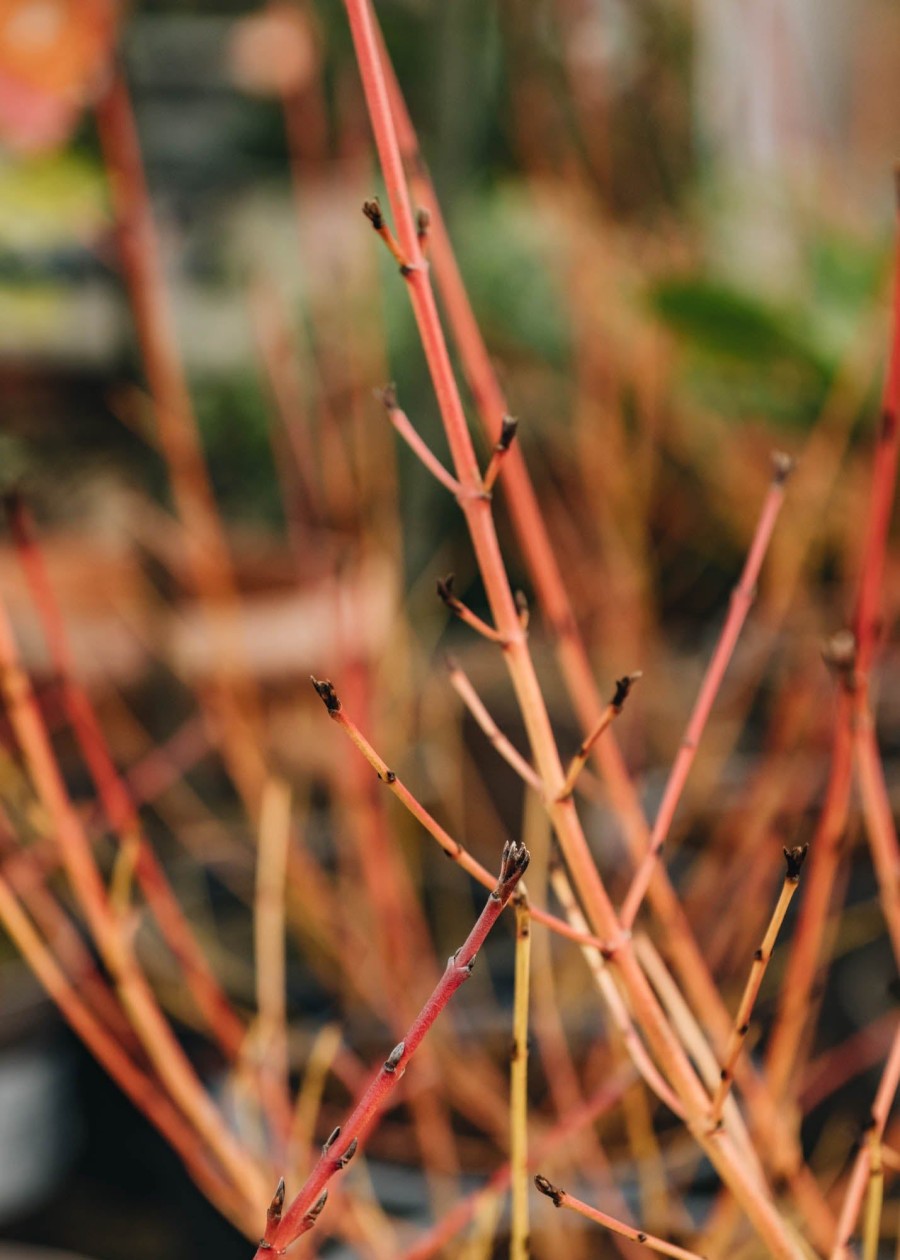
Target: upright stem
{"type": "Point", "coordinates": [477, 511]}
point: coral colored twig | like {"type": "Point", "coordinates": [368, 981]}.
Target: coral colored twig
{"type": "Point", "coordinates": [462, 685]}
{"type": "Point", "coordinates": [445, 592]}
{"type": "Point", "coordinates": [404, 429]}
{"type": "Point", "coordinates": [451, 847]}
{"type": "Point", "coordinates": [303, 1211]}
{"type": "Point", "coordinates": [562, 1199]}
{"type": "Point", "coordinates": [741, 600]}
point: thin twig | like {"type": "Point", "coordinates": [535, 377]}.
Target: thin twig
{"type": "Point", "coordinates": [508, 428]}
{"type": "Point", "coordinates": [305, 1208]}
{"type": "Point", "coordinates": [463, 687]}
{"type": "Point", "coordinates": [562, 1199]}
{"type": "Point", "coordinates": [403, 427]}
{"type": "Point", "coordinates": [452, 601]}
{"type": "Point", "coordinates": [794, 859]}
{"type": "Point", "coordinates": [518, 1084]}
{"type": "Point", "coordinates": [741, 601]}
{"type": "Point", "coordinates": [607, 717]}
{"type": "Point", "coordinates": [453, 848]}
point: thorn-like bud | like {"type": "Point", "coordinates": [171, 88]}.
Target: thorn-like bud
{"type": "Point", "coordinates": [623, 687]}
{"type": "Point", "coordinates": [508, 427]}
{"type": "Point", "coordinates": [273, 1212]}
{"type": "Point", "coordinates": [513, 864]}
{"type": "Point", "coordinates": [316, 1210]}
{"type": "Point", "coordinates": [331, 1139]}
{"type": "Point", "coordinates": [347, 1155]}
{"type": "Point", "coordinates": [372, 210]}
{"type": "Point", "coordinates": [795, 858]}
{"type": "Point", "coordinates": [782, 467]}
{"type": "Point", "coordinates": [546, 1187]}
{"type": "Point", "coordinates": [445, 589]}
{"type": "Point", "coordinates": [391, 1063]}
{"type": "Point", "coordinates": [423, 223]}
{"type": "Point", "coordinates": [387, 396]}
{"type": "Point", "coordinates": [327, 693]}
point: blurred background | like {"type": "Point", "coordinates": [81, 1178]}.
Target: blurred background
{"type": "Point", "coordinates": [675, 221]}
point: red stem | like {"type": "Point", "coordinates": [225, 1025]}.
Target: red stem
{"type": "Point", "coordinates": [297, 1219]}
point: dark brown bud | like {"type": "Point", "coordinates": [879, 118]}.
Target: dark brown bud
{"type": "Point", "coordinates": [423, 222]}
{"type": "Point", "coordinates": [445, 590]}
{"type": "Point", "coordinates": [347, 1155]}
{"type": "Point", "coordinates": [327, 693]}
{"type": "Point", "coordinates": [513, 864]}
{"type": "Point", "coordinates": [392, 1062]}
{"type": "Point", "coordinates": [795, 858]}
{"type": "Point", "coordinates": [316, 1210]}
{"type": "Point", "coordinates": [331, 1139]}
{"type": "Point", "coordinates": [623, 687]}
{"type": "Point", "coordinates": [372, 210]}
{"type": "Point", "coordinates": [274, 1210]}
{"type": "Point", "coordinates": [508, 427]}
{"type": "Point", "coordinates": [549, 1190]}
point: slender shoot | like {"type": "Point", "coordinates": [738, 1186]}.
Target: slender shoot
{"type": "Point", "coordinates": [508, 428]}
{"type": "Point", "coordinates": [794, 859]}
{"type": "Point", "coordinates": [562, 1199]}
{"type": "Point", "coordinates": [303, 1212]}
{"type": "Point", "coordinates": [609, 714]}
